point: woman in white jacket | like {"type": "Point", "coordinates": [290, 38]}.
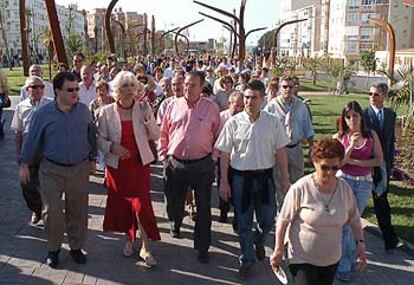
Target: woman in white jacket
{"type": "Point", "coordinates": [124, 130]}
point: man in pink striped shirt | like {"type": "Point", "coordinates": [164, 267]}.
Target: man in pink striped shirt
{"type": "Point", "coordinates": [189, 129]}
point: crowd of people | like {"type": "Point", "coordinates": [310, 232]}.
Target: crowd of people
{"type": "Point", "coordinates": [206, 120]}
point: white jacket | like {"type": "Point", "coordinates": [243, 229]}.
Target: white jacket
{"type": "Point", "coordinates": [109, 131]}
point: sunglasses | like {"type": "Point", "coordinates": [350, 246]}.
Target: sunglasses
{"type": "Point", "coordinates": [70, 90]}
{"type": "Point", "coordinates": [374, 94]}
{"type": "Point", "coordinates": [287, 86]}
{"type": "Point", "coordinates": [326, 168]}
{"type": "Point", "coordinates": [36, 87]}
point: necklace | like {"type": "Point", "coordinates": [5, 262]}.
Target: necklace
{"type": "Point", "coordinates": [125, 108]}
{"type": "Point", "coordinates": [324, 202]}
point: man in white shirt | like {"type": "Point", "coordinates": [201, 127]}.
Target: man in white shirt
{"type": "Point", "coordinates": [36, 70]}
{"type": "Point", "coordinates": [169, 71]}
{"type": "Point", "coordinates": [87, 91]}
{"type": "Point", "coordinates": [250, 143]}
{"type": "Point", "coordinates": [20, 125]}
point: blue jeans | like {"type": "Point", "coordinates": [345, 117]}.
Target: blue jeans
{"type": "Point", "coordinates": [265, 215]}
{"type": "Point", "coordinates": [1, 121]}
{"type": "Point", "coordinates": [362, 191]}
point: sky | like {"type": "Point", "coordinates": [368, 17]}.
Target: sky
{"type": "Point", "coordinates": [176, 13]}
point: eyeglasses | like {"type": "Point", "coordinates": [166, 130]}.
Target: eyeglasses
{"type": "Point", "coordinates": [287, 86]}
{"type": "Point", "coordinates": [374, 94]}
{"type": "Point", "coordinates": [70, 90]}
{"type": "Point", "coordinates": [326, 168]}
{"type": "Point", "coordinates": [36, 87]}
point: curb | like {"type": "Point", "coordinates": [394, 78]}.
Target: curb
{"type": "Point", "coordinates": [407, 247]}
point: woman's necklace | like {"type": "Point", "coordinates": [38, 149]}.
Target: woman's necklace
{"type": "Point", "coordinates": [325, 203]}
{"type": "Point", "coordinates": [126, 108]}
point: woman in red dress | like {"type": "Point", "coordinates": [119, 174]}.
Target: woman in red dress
{"type": "Point", "coordinates": [124, 129]}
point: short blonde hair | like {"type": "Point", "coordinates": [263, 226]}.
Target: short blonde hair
{"type": "Point", "coordinates": [120, 79]}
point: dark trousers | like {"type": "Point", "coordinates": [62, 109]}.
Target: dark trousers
{"type": "Point", "coordinates": [383, 213]}
{"type": "Point", "coordinates": [308, 274]}
{"type": "Point", "coordinates": [31, 191]}
{"type": "Point", "coordinates": [1, 121]}
{"type": "Point", "coordinates": [198, 175]}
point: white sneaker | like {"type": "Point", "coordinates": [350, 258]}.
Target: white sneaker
{"type": "Point", "coordinates": [128, 248]}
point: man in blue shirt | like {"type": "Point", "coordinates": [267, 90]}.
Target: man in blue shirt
{"type": "Point", "coordinates": [65, 135]}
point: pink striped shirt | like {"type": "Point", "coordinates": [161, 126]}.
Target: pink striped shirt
{"type": "Point", "coordinates": [189, 132]}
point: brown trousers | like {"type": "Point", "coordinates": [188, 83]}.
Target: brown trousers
{"type": "Point", "coordinates": [56, 180]}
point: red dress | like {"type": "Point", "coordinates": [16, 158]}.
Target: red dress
{"type": "Point", "coordinates": [129, 192]}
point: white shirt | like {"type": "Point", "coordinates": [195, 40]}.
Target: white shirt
{"type": "Point", "coordinates": [169, 72]}
{"type": "Point", "coordinates": [24, 112]}
{"type": "Point", "coordinates": [162, 108]}
{"type": "Point", "coordinates": [47, 93]}
{"type": "Point", "coordinates": [224, 117]}
{"type": "Point", "coordinates": [86, 96]}
{"type": "Point", "coordinates": [252, 146]}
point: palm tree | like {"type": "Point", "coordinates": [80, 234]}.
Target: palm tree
{"type": "Point", "coordinates": [47, 41]}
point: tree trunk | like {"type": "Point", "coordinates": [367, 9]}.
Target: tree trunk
{"type": "Point", "coordinates": [368, 80]}
{"type": "Point", "coordinates": [314, 78]}
{"type": "Point", "coordinates": [3, 35]}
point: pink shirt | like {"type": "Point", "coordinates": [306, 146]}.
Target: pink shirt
{"type": "Point", "coordinates": [364, 152]}
{"type": "Point", "coordinates": [189, 132]}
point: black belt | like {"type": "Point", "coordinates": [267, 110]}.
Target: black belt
{"type": "Point", "coordinates": [189, 161]}
{"type": "Point", "coordinates": [63, 164]}
{"type": "Point", "coordinates": [292, 145]}
{"type": "Point", "coordinates": [252, 172]}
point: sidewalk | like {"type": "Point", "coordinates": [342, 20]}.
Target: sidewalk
{"type": "Point", "coordinates": [23, 250]}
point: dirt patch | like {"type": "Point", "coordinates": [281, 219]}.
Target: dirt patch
{"type": "Point", "coordinates": [404, 154]}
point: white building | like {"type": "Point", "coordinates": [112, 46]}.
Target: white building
{"type": "Point", "coordinates": [37, 19]}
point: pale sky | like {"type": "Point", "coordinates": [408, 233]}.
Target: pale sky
{"type": "Point", "coordinates": [174, 13]}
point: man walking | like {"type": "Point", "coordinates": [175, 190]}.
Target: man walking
{"type": "Point", "coordinates": [22, 116]}
{"type": "Point", "coordinates": [189, 128]}
{"type": "Point", "coordinates": [295, 119]}
{"type": "Point", "coordinates": [66, 135]}
{"type": "Point", "coordinates": [382, 121]}
{"type": "Point", "coordinates": [249, 143]}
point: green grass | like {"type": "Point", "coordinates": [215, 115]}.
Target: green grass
{"type": "Point", "coordinates": [325, 111]}
{"type": "Point", "coordinates": [307, 85]}
{"type": "Point", "coordinates": [16, 79]}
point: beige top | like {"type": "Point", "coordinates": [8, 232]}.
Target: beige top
{"type": "Point", "coordinates": [315, 234]}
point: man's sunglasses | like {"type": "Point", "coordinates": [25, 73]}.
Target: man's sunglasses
{"type": "Point", "coordinates": [70, 90]}
{"type": "Point", "coordinates": [287, 86]}
{"type": "Point", "coordinates": [37, 87]}
{"type": "Point", "coordinates": [374, 94]}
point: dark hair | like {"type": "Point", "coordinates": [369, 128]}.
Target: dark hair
{"type": "Point", "coordinates": [343, 126]}
{"type": "Point", "coordinates": [207, 88]}
{"type": "Point", "coordinates": [223, 80]}
{"type": "Point", "coordinates": [245, 76]}
{"type": "Point", "coordinates": [199, 74]}
{"type": "Point", "coordinates": [327, 148]}
{"type": "Point", "coordinates": [256, 85]}
{"type": "Point", "coordinates": [79, 54]}
{"type": "Point", "coordinates": [61, 77]}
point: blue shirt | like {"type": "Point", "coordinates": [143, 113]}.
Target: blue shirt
{"type": "Point", "coordinates": [63, 137]}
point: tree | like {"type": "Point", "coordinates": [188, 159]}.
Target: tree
{"type": "Point", "coordinates": [47, 41]}
{"type": "Point", "coordinates": [282, 66]}
{"type": "Point", "coordinates": [339, 73]}
{"type": "Point", "coordinates": [4, 37]}
{"type": "Point", "coordinates": [368, 62]}
{"type": "Point", "coordinates": [313, 65]}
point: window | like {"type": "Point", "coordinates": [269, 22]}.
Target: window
{"type": "Point", "coordinates": [351, 32]}
{"type": "Point", "coordinates": [367, 33]}
{"type": "Point", "coordinates": [353, 3]}
{"type": "Point", "coordinates": [367, 46]}
{"type": "Point", "coordinates": [367, 2]}
{"type": "Point", "coordinates": [352, 18]}
{"type": "Point", "coordinates": [351, 47]}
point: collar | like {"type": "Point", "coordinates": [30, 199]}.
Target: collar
{"type": "Point", "coordinates": [376, 110]}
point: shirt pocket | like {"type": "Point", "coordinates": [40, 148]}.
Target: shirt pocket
{"type": "Point", "coordinates": [241, 139]}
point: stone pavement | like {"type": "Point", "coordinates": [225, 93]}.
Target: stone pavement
{"type": "Point", "coordinates": [23, 250]}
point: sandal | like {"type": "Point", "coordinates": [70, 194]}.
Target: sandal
{"type": "Point", "coordinates": [147, 258]}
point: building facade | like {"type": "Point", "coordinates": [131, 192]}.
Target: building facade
{"type": "Point", "coordinates": [70, 20]}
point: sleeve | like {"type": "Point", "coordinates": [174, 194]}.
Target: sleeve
{"type": "Point", "coordinates": [33, 138]}
{"type": "Point", "coordinates": [225, 141]}
{"type": "Point", "coordinates": [290, 206]}
{"type": "Point", "coordinates": [103, 141]}
{"type": "Point", "coordinates": [152, 127]}
{"type": "Point", "coordinates": [307, 123]}
{"type": "Point", "coordinates": [216, 129]}
{"type": "Point", "coordinates": [16, 124]}
{"type": "Point", "coordinates": [164, 133]}
{"type": "Point", "coordinates": [392, 141]}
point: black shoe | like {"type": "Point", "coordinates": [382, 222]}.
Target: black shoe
{"type": "Point", "coordinates": [223, 217]}
{"type": "Point", "coordinates": [36, 217]}
{"type": "Point", "coordinates": [260, 252]}
{"type": "Point", "coordinates": [52, 258]}
{"type": "Point", "coordinates": [244, 273]}
{"type": "Point", "coordinates": [78, 256]}
{"type": "Point", "coordinates": [396, 245]}
{"type": "Point", "coordinates": [203, 257]}
{"type": "Point", "coordinates": [174, 231]}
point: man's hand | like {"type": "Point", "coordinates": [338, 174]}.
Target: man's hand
{"type": "Point", "coordinates": [24, 173]}
{"type": "Point", "coordinates": [121, 151]}
{"type": "Point", "coordinates": [225, 192]}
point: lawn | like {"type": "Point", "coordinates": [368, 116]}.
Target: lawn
{"type": "Point", "coordinates": [16, 78]}
{"type": "Point", "coordinates": [325, 111]}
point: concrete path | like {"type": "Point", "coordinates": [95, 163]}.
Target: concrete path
{"type": "Point", "coordinates": [23, 251]}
